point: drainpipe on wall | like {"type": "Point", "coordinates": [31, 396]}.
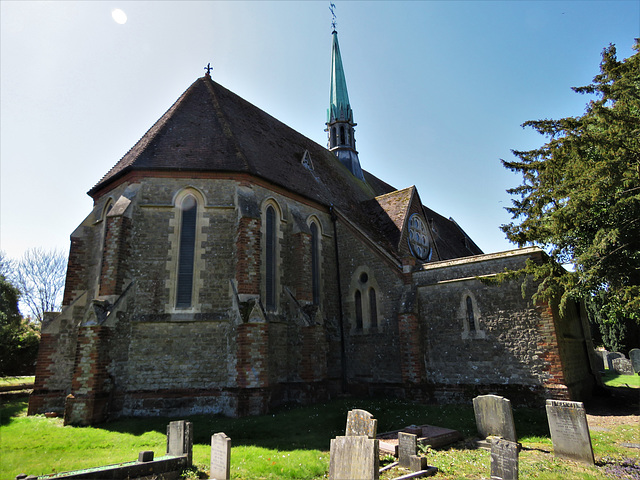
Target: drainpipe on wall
{"type": "Point", "coordinates": [343, 353]}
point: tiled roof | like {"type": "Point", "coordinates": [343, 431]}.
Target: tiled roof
{"type": "Point", "coordinates": [211, 129]}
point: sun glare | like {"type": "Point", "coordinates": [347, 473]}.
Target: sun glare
{"type": "Point", "coordinates": [119, 16]}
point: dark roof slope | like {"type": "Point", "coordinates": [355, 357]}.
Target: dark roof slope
{"type": "Point", "coordinates": [209, 128]}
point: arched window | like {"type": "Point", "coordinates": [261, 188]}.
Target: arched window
{"type": "Point", "coordinates": [189, 209]}
{"type": "Point", "coordinates": [105, 233]}
{"type": "Point", "coordinates": [470, 316]}
{"type": "Point", "coordinates": [373, 308]}
{"type": "Point", "coordinates": [358, 298]}
{"type": "Point", "coordinates": [270, 258]}
{"type": "Point", "coordinates": [342, 135]}
{"type": "Point", "coordinates": [315, 264]}
{"type": "Point", "coordinates": [333, 137]}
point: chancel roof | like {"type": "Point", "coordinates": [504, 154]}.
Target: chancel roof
{"type": "Point", "coordinates": [211, 129]}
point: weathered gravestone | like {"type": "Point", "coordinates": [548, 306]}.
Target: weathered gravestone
{"type": "Point", "coordinates": [569, 431]}
{"type": "Point", "coordinates": [504, 459]}
{"type": "Point", "coordinates": [611, 357]}
{"type": "Point", "coordinates": [353, 457]}
{"type": "Point", "coordinates": [407, 446]}
{"type": "Point", "coordinates": [180, 439]}
{"type": "Point", "coordinates": [361, 422]}
{"type": "Point", "coordinates": [634, 356]}
{"type": "Point", "coordinates": [622, 366]}
{"type": "Point", "coordinates": [599, 363]}
{"type": "Point", "coordinates": [220, 457]}
{"type": "Point", "coordinates": [494, 417]}
{"type": "Point", "coordinates": [145, 456]}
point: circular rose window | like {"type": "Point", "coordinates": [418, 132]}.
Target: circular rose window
{"type": "Point", "coordinates": [419, 243]}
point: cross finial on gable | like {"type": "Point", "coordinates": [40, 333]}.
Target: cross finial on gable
{"type": "Point", "coordinates": [208, 68]}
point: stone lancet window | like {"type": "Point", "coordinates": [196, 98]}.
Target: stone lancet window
{"type": "Point", "coordinates": [363, 302]}
{"type": "Point", "coordinates": [105, 232]}
{"type": "Point", "coordinates": [373, 308]}
{"type": "Point", "coordinates": [470, 315]}
{"type": "Point", "coordinates": [343, 140]}
{"type": "Point", "coordinates": [184, 290]}
{"type": "Point", "coordinates": [333, 137]}
{"type": "Point", "coordinates": [358, 300]}
{"type": "Point", "coordinates": [315, 263]}
{"type": "Point", "coordinates": [270, 258]}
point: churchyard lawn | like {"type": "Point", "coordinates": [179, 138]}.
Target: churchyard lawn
{"type": "Point", "coordinates": [293, 443]}
{"type": "Point", "coordinates": [612, 379]}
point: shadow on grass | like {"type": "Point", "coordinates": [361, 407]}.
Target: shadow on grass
{"type": "Point", "coordinates": [311, 427]}
{"type": "Point", "coordinates": [12, 406]}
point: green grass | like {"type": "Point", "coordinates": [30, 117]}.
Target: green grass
{"type": "Point", "coordinates": [290, 443]}
{"type": "Point", "coordinates": [7, 381]}
{"type": "Point", "coordinates": [612, 379]}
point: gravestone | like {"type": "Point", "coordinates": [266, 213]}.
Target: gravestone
{"type": "Point", "coordinates": [622, 366]}
{"type": "Point", "coordinates": [504, 459]}
{"type": "Point", "coordinates": [634, 356]}
{"type": "Point", "coordinates": [220, 457]}
{"type": "Point", "coordinates": [180, 439]}
{"type": "Point", "coordinates": [353, 457]}
{"type": "Point", "coordinates": [407, 446]}
{"type": "Point", "coordinates": [361, 422]}
{"type": "Point", "coordinates": [145, 456]}
{"type": "Point", "coordinates": [599, 362]}
{"type": "Point", "coordinates": [569, 431]}
{"type": "Point", "coordinates": [611, 357]}
{"type": "Point", "coordinates": [494, 417]}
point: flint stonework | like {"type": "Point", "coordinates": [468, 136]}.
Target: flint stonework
{"type": "Point", "coordinates": [569, 431]}
{"type": "Point", "coordinates": [494, 417]}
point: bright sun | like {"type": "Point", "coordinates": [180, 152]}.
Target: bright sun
{"type": "Point", "coordinates": [119, 16]}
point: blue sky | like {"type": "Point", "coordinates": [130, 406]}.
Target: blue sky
{"type": "Point", "coordinates": [438, 89]}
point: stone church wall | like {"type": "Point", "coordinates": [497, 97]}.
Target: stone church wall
{"type": "Point", "coordinates": [371, 352]}
{"type": "Point", "coordinates": [515, 348]}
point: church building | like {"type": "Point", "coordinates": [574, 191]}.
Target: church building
{"type": "Point", "coordinates": [231, 265]}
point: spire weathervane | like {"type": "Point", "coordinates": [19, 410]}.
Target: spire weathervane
{"type": "Point", "coordinates": [334, 24]}
{"type": "Point", "coordinates": [208, 68]}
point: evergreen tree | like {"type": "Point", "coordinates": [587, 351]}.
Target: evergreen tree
{"type": "Point", "coordinates": [18, 340]}
{"type": "Point", "coordinates": [580, 199]}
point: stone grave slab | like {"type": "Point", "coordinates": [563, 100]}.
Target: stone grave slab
{"type": "Point", "coordinates": [634, 356]}
{"type": "Point", "coordinates": [622, 366]}
{"type": "Point", "coordinates": [361, 422]}
{"type": "Point", "coordinates": [569, 431]}
{"type": "Point", "coordinates": [407, 447]}
{"type": "Point", "coordinates": [354, 457]}
{"type": "Point", "coordinates": [429, 435]}
{"type": "Point", "coordinates": [494, 417]}
{"type": "Point", "coordinates": [504, 459]}
{"type": "Point", "coordinates": [220, 457]}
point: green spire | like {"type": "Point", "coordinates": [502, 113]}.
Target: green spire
{"type": "Point", "coordinates": [342, 141]}
{"type": "Point", "coordinates": [339, 108]}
